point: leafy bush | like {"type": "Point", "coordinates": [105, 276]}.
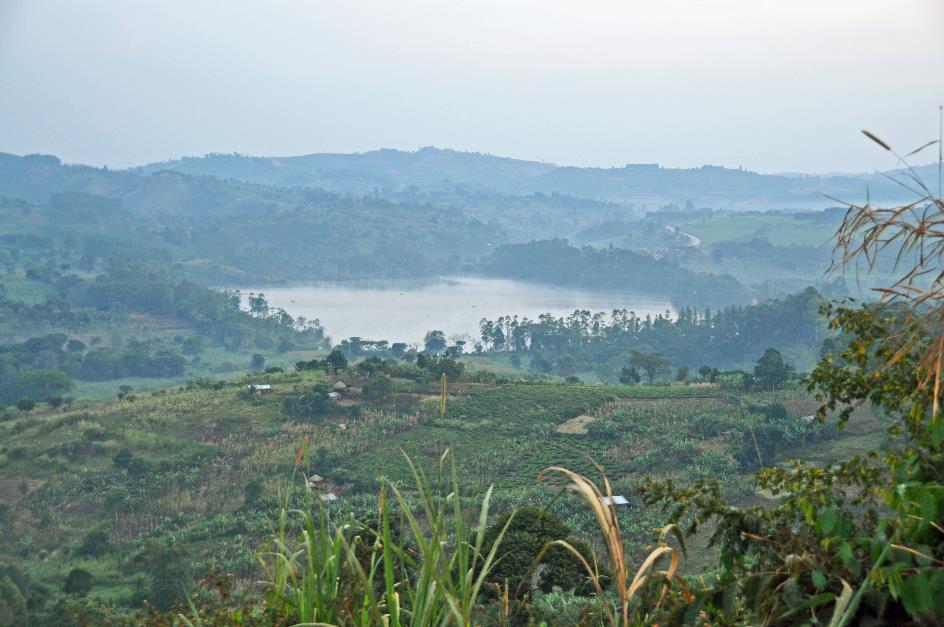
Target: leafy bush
{"type": "Point", "coordinates": [310, 405]}
{"type": "Point", "coordinates": [12, 603]}
{"type": "Point", "coordinates": [95, 544]}
{"type": "Point", "coordinates": [78, 582]}
{"type": "Point", "coordinates": [378, 388]}
{"type": "Point", "coordinates": [527, 531]}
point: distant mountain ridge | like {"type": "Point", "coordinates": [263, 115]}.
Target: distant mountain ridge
{"type": "Point", "coordinates": [429, 168]}
{"type": "Point", "coordinates": [434, 169]}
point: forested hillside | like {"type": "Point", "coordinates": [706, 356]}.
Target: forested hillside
{"type": "Point", "coordinates": [225, 232]}
{"type": "Point", "coordinates": [555, 261]}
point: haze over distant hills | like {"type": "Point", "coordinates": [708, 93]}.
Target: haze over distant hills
{"type": "Point", "coordinates": [434, 169]}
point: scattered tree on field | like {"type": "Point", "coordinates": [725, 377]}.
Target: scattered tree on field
{"type": "Point", "coordinates": [771, 371]}
{"type": "Point", "coordinates": [434, 343]}
{"type": "Point", "coordinates": [653, 364]}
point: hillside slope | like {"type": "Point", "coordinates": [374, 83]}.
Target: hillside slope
{"type": "Point", "coordinates": [191, 476]}
{"type": "Point", "coordinates": [432, 169]}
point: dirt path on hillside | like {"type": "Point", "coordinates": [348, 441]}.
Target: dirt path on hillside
{"type": "Point", "coordinates": [693, 241]}
{"type": "Point", "coordinates": [574, 426]}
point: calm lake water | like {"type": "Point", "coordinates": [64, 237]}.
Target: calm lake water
{"type": "Point", "coordinates": [405, 312]}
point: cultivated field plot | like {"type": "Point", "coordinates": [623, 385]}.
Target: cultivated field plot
{"type": "Point", "coordinates": [506, 434]}
{"type": "Point", "coordinates": [783, 230]}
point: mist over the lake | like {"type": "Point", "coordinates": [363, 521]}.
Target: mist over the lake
{"type": "Point", "coordinates": [454, 305]}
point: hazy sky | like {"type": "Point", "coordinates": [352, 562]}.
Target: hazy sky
{"type": "Point", "coordinates": [780, 85]}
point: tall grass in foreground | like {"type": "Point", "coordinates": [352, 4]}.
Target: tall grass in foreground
{"type": "Point", "coordinates": [430, 573]}
{"type": "Point", "coordinates": [424, 562]}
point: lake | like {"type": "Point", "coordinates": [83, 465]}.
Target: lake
{"type": "Point", "coordinates": [405, 312]}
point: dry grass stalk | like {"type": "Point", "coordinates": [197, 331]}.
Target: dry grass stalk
{"type": "Point", "coordinates": [914, 232]}
{"type": "Point", "coordinates": [609, 526]}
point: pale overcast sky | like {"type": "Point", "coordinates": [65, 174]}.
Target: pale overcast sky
{"type": "Point", "coordinates": [773, 85]}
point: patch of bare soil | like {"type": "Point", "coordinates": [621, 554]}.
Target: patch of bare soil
{"type": "Point", "coordinates": [574, 426]}
{"type": "Point", "coordinates": [713, 445]}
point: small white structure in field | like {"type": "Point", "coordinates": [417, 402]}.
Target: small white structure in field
{"type": "Point", "coordinates": [334, 396]}
{"type": "Point", "coordinates": [259, 388]}
{"type": "Point", "coordinates": [327, 498]}
{"type": "Point", "coordinates": [314, 480]}
{"type": "Point", "coordinates": [340, 385]}
{"type": "Point", "coordinates": [616, 500]}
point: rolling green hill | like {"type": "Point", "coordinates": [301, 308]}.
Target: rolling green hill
{"type": "Point", "coordinates": [96, 486]}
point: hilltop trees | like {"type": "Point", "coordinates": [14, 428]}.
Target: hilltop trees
{"type": "Point", "coordinates": [258, 305]}
{"type": "Point", "coordinates": [438, 366]}
{"type": "Point", "coordinates": [771, 371]}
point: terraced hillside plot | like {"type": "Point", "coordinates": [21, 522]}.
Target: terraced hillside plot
{"type": "Point", "coordinates": [506, 434]}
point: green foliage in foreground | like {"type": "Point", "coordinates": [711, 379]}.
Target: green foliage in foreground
{"type": "Point", "coordinates": [431, 573]}
{"type": "Point", "coordinates": [851, 542]}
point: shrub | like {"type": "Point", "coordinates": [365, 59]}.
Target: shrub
{"type": "Point", "coordinates": [378, 388]}
{"type": "Point", "coordinates": [336, 360]}
{"type": "Point", "coordinates": [563, 608]}
{"type": "Point", "coordinates": [252, 492]}
{"type": "Point", "coordinates": [123, 458]}
{"type": "Point", "coordinates": [79, 582]}
{"type": "Point", "coordinates": [12, 603]}
{"type": "Point", "coordinates": [95, 544]}
{"type": "Point", "coordinates": [313, 404]}
{"type": "Point", "coordinates": [528, 532]}
{"type": "Point", "coordinates": [167, 567]}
